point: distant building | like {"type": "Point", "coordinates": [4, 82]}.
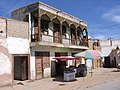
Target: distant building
{"type": "Point", "coordinates": [93, 44]}
{"type": "Point", "coordinates": [111, 52]}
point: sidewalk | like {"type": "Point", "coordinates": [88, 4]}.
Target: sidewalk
{"type": "Point", "coordinates": [100, 75]}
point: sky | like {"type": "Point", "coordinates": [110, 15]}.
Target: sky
{"type": "Point", "coordinates": [102, 16]}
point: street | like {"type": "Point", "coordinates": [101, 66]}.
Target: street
{"type": "Point", "coordinates": [112, 85]}
{"type": "Point", "coordinates": [99, 79]}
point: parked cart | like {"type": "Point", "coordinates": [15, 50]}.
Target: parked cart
{"type": "Point", "coordinates": [71, 72]}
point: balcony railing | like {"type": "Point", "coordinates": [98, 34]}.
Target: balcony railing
{"type": "Point", "coordinates": [47, 38]}
{"type": "Point", "coordinates": [53, 39]}
{"type": "Point", "coordinates": [82, 42]}
{"type": "Point", "coordinates": [34, 37]}
{"type": "Point", "coordinates": [56, 39]}
{"type": "Point", "coordinates": [66, 41]}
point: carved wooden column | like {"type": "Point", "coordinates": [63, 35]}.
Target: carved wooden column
{"type": "Point", "coordinates": [39, 25]}
{"type": "Point", "coordinates": [61, 37]}
{"type": "Point", "coordinates": [76, 36]}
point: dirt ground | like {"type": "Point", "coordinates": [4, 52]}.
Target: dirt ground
{"type": "Point", "coordinates": [99, 76]}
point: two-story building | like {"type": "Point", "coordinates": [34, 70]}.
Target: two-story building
{"type": "Point", "coordinates": [52, 33]}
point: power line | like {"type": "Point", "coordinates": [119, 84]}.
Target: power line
{"type": "Point", "coordinates": [109, 26]}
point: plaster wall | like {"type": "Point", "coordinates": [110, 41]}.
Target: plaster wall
{"type": "Point", "coordinates": [52, 50]}
{"type": "Point", "coordinates": [5, 62]}
{"type": "Point", "coordinates": [18, 45]}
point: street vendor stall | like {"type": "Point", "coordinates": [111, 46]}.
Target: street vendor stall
{"type": "Point", "coordinates": [70, 72]}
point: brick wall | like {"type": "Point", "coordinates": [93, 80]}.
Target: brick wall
{"type": "Point", "coordinates": [17, 29]}
{"type": "Point", "coordinates": [3, 25]}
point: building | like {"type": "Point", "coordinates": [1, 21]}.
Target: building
{"type": "Point", "coordinates": [14, 51]}
{"type": "Point", "coordinates": [94, 44]}
{"type": "Point", "coordinates": [111, 52]}
{"type": "Point", "coordinates": [53, 33]}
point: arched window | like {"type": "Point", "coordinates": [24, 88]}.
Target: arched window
{"type": "Point", "coordinates": [84, 33]}
{"type": "Point", "coordinates": [73, 36]}
{"type": "Point", "coordinates": [56, 25]}
{"type": "Point", "coordinates": [45, 24]}
{"type": "Point", "coordinates": [56, 30]}
{"type": "Point", "coordinates": [64, 29]}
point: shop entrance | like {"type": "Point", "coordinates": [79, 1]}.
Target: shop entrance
{"type": "Point", "coordinates": [21, 68]}
{"type": "Point", "coordinates": [60, 65]}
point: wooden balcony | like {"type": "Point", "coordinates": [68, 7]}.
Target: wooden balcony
{"type": "Point", "coordinates": [47, 38]}
{"type": "Point", "coordinates": [53, 39]}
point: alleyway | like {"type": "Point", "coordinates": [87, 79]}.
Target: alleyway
{"type": "Point", "coordinates": [101, 75]}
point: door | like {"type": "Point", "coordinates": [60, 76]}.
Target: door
{"type": "Point", "coordinates": [24, 63]}
{"type": "Point", "coordinates": [39, 65]}
{"type": "Point", "coordinates": [42, 61]}
{"type": "Point", "coordinates": [20, 67]}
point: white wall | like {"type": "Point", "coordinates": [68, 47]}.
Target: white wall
{"type": "Point", "coordinates": [107, 46]}
{"type": "Point", "coordinates": [106, 50]}
{"type": "Point", "coordinates": [52, 50]}
{"type": "Point", "coordinates": [105, 43]}
{"type": "Point", "coordinates": [18, 45]}
{"type": "Point", "coordinates": [5, 62]}
{"type": "Point", "coordinates": [115, 42]}
{"type": "Point", "coordinates": [32, 65]}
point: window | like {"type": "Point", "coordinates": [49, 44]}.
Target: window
{"type": "Point", "coordinates": [56, 27]}
{"type": "Point", "coordinates": [44, 26]}
{"type": "Point", "coordinates": [64, 31]}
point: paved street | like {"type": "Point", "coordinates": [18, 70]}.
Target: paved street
{"type": "Point", "coordinates": [100, 77]}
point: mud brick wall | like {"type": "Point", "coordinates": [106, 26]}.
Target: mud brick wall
{"type": "Point", "coordinates": [17, 29]}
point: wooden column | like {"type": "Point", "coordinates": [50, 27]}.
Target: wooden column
{"type": "Point", "coordinates": [76, 36]}
{"type": "Point", "coordinates": [61, 37]}
{"type": "Point", "coordinates": [39, 25]}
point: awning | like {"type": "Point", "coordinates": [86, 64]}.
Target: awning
{"type": "Point", "coordinates": [65, 58]}
{"type": "Point", "coordinates": [90, 54]}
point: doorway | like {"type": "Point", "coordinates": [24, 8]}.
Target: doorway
{"type": "Point", "coordinates": [60, 65]}
{"type": "Point", "coordinates": [107, 62]}
{"type": "Point", "coordinates": [21, 68]}
{"type": "Point", "coordinates": [42, 61]}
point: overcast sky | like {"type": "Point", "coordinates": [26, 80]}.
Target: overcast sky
{"type": "Point", "coordinates": [103, 16]}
